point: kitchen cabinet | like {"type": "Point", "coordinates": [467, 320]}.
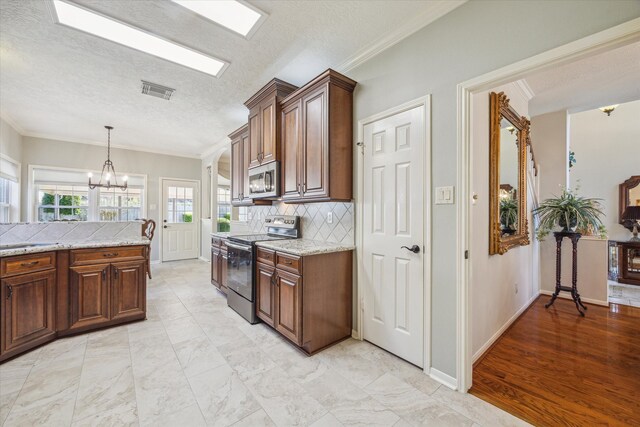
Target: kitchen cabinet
{"type": "Point", "coordinates": [107, 286]}
{"type": "Point", "coordinates": [264, 122]}
{"type": "Point", "coordinates": [219, 257]}
{"type": "Point", "coordinates": [317, 134]}
{"type": "Point", "coordinates": [306, 299]}
{"type": "Point", "coordinates": [28, 307]}
{"type": "Point", "coordinates": [240, 169]}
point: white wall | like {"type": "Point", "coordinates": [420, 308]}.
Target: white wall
{"type": "Point", "coordinates": [549, 135]}
{"type": "Point", "coordinates": [607, 154]}
{"type": "Point", "coordinates": [47, 152]}
{"type": "Point", "coordinates": [478, 37]}
{"type": "Point", "coordinates": [501, 285]}
{"type": "Point", "coordinates": [10, 141]}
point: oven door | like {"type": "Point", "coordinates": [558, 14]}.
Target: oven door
{"type": "Point", "coordinates": [240, 269]}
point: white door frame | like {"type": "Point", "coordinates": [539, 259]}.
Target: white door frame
{"type": "Point", "coordinates": [611, 38]}
{"type": "Point", "coordinates": [196, 197]}
{"type": "Point", "coordinates": [425, 102]}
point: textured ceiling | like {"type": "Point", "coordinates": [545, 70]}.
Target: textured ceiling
{"type": "Point", "coordinates": [612, 77]}
{"type": "Point", "coordinates": [63, 84]}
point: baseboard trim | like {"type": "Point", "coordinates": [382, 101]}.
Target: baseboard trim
{"type": "Point", "coordinates": [355, 335]}
{"type": "Point", "coordinates": [204, 259]}
{"type": "Point", "coordinates": [443, 378]}
{"type": "Point", "coordinates": [156, 261]}
{"type": "Point", "coordinates": [482, 350]}
{"type": "Point", "coordinates": [587, 300]}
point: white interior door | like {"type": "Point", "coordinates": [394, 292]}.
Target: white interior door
{"type": "Point", "coordinates": [179, 220]}
{"type": "Point", "coordinates": [393, 217]}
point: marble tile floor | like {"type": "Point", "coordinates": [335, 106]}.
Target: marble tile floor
{"type": "Point", "coordinates": [195, 362]}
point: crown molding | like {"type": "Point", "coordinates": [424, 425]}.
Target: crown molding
{"type": "Point", "coordinates": [7, 118]}
{"type": "Point", "coordinates": [102, 144]}
{"type": "Point", "coordinates": [384, 43]}
{"type": "Point", "coordinates": [525, 89]}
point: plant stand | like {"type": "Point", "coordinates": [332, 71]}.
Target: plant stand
{"type": "Point", "coordinates": [560, 235]}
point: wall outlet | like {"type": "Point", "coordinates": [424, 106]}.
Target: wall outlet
{"type": "Point", "coordinates": [330, 218]}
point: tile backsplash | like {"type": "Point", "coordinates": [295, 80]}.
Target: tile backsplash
{"type": "Point", "coordinates": [313, 217]}
{"type": "Point", "coordinates": [65, 232]}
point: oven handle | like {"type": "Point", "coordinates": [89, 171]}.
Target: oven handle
{"type": "Point", "coordinates": [239, 247]}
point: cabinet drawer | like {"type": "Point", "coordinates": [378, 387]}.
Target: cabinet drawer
{"type": "Point", "coordinates": [104, 255]}
{"type": "Point", "coordinates": [21, 264]}
{"type": "Point", "coordinates": [266, 256]}
{"type": "Point", "coordinates": [216, 242]}
{"type": "Point", "coordinates": [289, 262]}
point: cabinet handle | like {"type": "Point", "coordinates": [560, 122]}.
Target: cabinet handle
{"type": "Point", "coordinates": [104, 275]}
{"type": "Point", "coordinates": [30, 264]}
{"type": "Point", "coordinates": [304, 187]}
{"type": "Point", "coordinates": [115, 271]}
{"type": "Point", "coordinates": [9, 291]}
{"type": "Point", "coordinates": [288, 262]}
{"type": "Point", "coordinates": [111, 255]}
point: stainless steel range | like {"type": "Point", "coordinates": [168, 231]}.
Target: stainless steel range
{"type": "Point", "coordinates": [241, 276]}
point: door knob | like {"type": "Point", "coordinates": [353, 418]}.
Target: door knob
{"type": "Point", "coordinates": [415, 248]}
{"type": "Point", "coordinates": [166, 226]}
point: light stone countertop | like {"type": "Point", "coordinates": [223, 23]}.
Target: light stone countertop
{"type": "Point", "coordinates": [71, 245]}
{"type": "Point", "coordinates": [305, 247]}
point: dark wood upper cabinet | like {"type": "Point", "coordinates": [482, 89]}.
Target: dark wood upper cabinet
{"type": "Point", "coordinates": [324, 135]}
{"type": "Point", "coordinates": [241, 148]}
{"type": "Point", "coordinates": [264, 122]}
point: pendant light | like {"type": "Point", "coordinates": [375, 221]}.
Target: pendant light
{"type": "Point", "coordinates": [108, 171]}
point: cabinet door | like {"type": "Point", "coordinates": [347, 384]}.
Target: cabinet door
{"type": "Point", "coordinates": [265, 293]}
{"type": "Point", "coordinates": [315, 164]}
{"type": "Point", "coordinates": [89, 295]}
{"type": "Point", "coordinates": [128, 289]}
{"type": "Point", "coordinates": [28, 309]}
{"type": "Point", "coordinates": [246, 160]}
{"type": "Point", "coordinates": [215, 267]}
{"type": "Point", "coordinates": [268, 131]}
{"type": "Point", "coordinates": [237, 171]}
{"type": "Point", "coordinates": [224, 257]}
{"type": "Point", "coordinates": [288, 306]}
{"type": "Point", "coordinates": [255, 144]}
{"type": "Point", "coordinates": [291, 148]}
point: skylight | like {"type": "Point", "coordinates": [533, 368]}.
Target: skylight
{"type": "Point", "coordinates": [90, 22]}
{"type": "Point", "coordinates": [232, 14]}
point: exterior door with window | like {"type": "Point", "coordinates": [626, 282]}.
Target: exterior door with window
{"type": "Point", "coordinates": [179, 220]}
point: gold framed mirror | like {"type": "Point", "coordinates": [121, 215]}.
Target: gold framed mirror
{"type": "Point", "coordinates": [508, 136]}
{"type": "Point", "coordinates": [629, 196]}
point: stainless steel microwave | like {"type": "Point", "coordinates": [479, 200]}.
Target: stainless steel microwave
{"type": "Point", "coordinates": [264, 181]}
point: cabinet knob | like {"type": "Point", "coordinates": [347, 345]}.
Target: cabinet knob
{"type": "Point", "coordinates": [9, 291]}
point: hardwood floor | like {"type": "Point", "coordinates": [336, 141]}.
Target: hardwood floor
{"type": "Point", "coordinates": [553, 367]}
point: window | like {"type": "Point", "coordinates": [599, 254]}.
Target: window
{"type": "Point", "coordinates": [5, 200]}
{"type": "Point", "coordinates": [63, 195]}
{"type": "Point", "coordinates": [180, 204]}
{"type": "Point", "coordinates": [118, 205]}
{"type": "Point", "coordinates": [63, 202]}
{"type": "Point", "coordinates": [224, 208]}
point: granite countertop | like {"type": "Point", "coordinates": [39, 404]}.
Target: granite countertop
{"type": "Point", "coordinates": [221, 234]}
{"type": "Point", "coordinates": [304, 247]}
{"type": "Point", "coordinates": [46, 247]}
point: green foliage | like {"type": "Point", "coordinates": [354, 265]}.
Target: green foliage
{"type": "Point", "coordinates": [228, 216]}
{"type": "Point", "coordinates": [508, 212]}
{"type": "Point", "coordinates": [50, 199]}
{"type": "Point", "coordinates": [224, 224]}
{"type": "Point", "coordinates": [187, 217]}
{"type": "Point", "coordinates": [568, 211]}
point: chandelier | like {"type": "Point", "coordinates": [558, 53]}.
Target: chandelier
{"type": "Point", "coordinates": [108, 171]}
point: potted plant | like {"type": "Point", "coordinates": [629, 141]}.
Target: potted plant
{"type": "Point", "coordinates": [568, 211]}
{"type": "Point", "coordinates": [508, 215]}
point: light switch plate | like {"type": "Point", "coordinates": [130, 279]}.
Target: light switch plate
{"type": "Point", "coordinates": [445, 195]}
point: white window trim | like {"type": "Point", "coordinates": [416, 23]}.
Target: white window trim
{"type": "Point", "coordinates": [31, 187]}
{"type": "Point", "coordinates": [15, 208]}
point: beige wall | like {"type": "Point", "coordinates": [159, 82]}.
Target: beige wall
{"type": "Point", "coordinates": [549, 136]}
{"type": "Point", "coordinates": [501, 285]}
{"type": "Point", "coordinates": [10, 141]}
{"type": "Point", "coordinates": [47, 152]}
{"type": "Point", "coordinates": [478, 37]}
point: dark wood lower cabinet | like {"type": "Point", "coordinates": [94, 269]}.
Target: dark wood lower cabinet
{"type": "Point", "coordinates": [89, 295]}
{"type": "Point", "coordinates": [307, 299]}
{"type": "Point", "coordinates": [265, 293]}
{"type": "Point", "coordinates": [289, 306]}
{"type": "Point", "coordinates": [28, 311]}
{"type": "Point", "coordinates": [219, 264]}
{"type": "Point", "coordinates": [128, 290]}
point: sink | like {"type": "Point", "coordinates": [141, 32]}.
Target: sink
{"type": "Point", "coordinates": [23, 245]}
